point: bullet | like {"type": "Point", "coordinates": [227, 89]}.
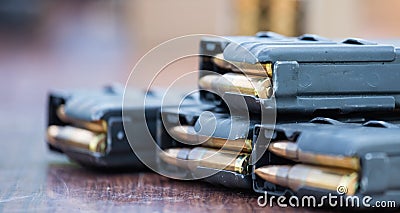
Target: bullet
{"type": "Point", "coordinates": [219, 61]}
{"type": "Point", "coordinates": [262, 69]}
{"type": "Point", "coordinates": [188, 134]}
{"type": "Point", "coordinates": [73, 137]}
{"type": "Point", "coordinates": [291, 151]}
{"type": "Point", "coordinates": [299, 175]}
{"type": "Point", "coordinates": [206, 157]}
{"type": "Point", "coordinates": [237, 83]}
{"type": "Point", "coordinates": [95, 126]}
{"type": "Point", "coordinates": [176, 156]}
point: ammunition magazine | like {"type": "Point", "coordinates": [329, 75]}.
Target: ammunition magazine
{"type": "Point", "coordinates": [191, 116]}
{"type": "Point", "coordinates": [105, 106]}
{"type": "Point", "coordinates": [311, 76]}
{"type": "Point", "coordinates": [374, 143]}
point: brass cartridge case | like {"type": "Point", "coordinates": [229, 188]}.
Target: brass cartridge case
{"type": "Point", "coordinates": [188, 134]}
{"type": "Point", "coordinates": [257, 86]}
{"type": "Point", "coordinates": [77, 138]}
{"type": "Point", "coordinates": [291, 151]}
{"type": "Point", "coordinates": [95, 126]}
{"type": "Point", "coordinates": [300, 175]}
{"type": "Point", "coordinates": [206, 157]}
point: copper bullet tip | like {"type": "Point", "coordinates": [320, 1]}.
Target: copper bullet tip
{"type": "Point", "coordinates": [284, 149]}
{"type": "Point", "coordinates": [206, 82]}
{"type": "Point", "coordinates": [274, 174]}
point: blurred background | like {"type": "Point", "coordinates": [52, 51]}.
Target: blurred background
{"type": "Point", "coordinates": [49, 44]}
{"type": "Point", "coordinates": [78, 43]}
